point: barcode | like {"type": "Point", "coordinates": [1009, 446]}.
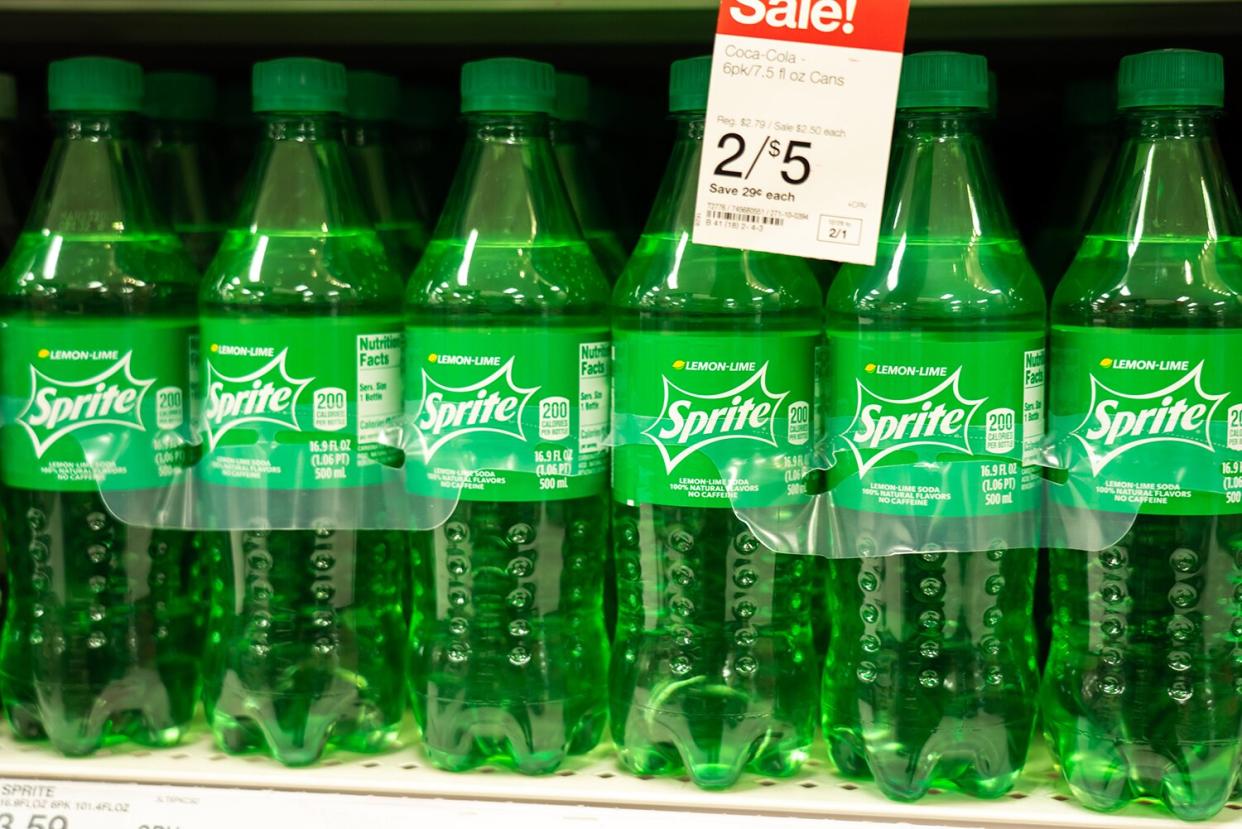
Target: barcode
{"type": "Point", "coordinates": [726, 216]}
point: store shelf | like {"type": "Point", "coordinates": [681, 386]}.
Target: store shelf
{"type": "Point", "coordinates": [594, 781]}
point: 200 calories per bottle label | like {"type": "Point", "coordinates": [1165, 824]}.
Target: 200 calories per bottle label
{"type": "Point", "coordinates": [507, 414]}
{"type": "Point", "coordinates": [1149, 421]}
{"type": "Point", "coordinates": [296, 404]}
{"type": "Point", "coordinates": [936, 424]}
{"type": "Point", "coordinates": [713, 421]}
{"type": "Point", "coordinates": [94, 403]}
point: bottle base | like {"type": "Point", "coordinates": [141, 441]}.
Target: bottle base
{"type": "Point", "coordinates": [82, 737]}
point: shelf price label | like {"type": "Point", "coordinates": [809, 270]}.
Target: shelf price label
{"type": "Point", "coordinates": [799, 122]}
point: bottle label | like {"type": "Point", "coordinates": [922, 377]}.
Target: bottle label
{"type": "Point", "coordinates": [713, 421]}
{"type": "Point", "coordinates": [93, 404]}
{"type": "Point", "coordinates": [936, 424]}
{"type": "Point", "coordinates": [507, 414]}
{"type": "Point", "coordinates": [296, 404]}
{"type": "Point", "coordinates": [1149, 421]}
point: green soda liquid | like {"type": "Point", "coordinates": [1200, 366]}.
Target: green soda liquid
{"type": "Point", "coordinates": [930, 678]}
{"type": "Point", "coordinates": [714, 669]}
{"type": "Point", "coordinates": [508, 656]}
{"type": "Point", "coordinates": [1142, 694]}
{"type": "Point", "coordinates": [102, 639]}
{"type": "Point", "coordinates": [307, 631]}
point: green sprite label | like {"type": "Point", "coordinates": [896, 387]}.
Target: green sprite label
{"type": "Point", "coordinates": [94, 404]}
{"type": "Point", "coordinates": [507, 414]}
{"type": "Point", "coordinates": [1149, 421]}
{"type": "Point", "coordinates": [936, 424]}
{"type": "Point", "coordinates": [298, 403]}
{"type": "Point", "coordinates": [713, 421]}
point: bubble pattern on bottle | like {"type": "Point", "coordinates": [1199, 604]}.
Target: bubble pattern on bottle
{"type": "Point", "coordinates": [305, 641]}
{"type": "Point", "coordinates": [714, 668]}
{"type": "Point", "coordinates": [102, 638]}
{"type": "Point", "coordinates": [508, 654]}
{"type": "Point", "coordinates": [930, 679]}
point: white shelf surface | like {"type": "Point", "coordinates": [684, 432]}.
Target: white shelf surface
{"type": "Point", "coordinates": [594, 785]}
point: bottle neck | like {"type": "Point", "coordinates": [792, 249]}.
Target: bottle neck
{"type": "Point", "coordinates": [369, 133]}
{"type": "Point", "coordinates": [673, 213]}
{"type": "Point", "coordinates": [941, 185]}
{"type": "Point", "coordinates": [161, 133]}
{"type": "Point", "coordinates": [508, 187]}
{"type": "Point", "coordinates": [1168, 181]}
{"type": "Point", "coordinates": [300, 180]}
{"type": "Point", "coordinates": [95, 181]}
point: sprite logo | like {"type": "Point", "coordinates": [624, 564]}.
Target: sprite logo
{"type": "Point", "coordinates": [689, 421]}
{"type": "Point", "coordinates": [1117, 422]}
{"type": "Point", "coordinates": [57, 407]}
{"type": "Point", "coordinates": [493, 404]}
{"type": "Point", "coordinates": [265, 395]}
{"type": "Point", "coordinates": [939, 417]}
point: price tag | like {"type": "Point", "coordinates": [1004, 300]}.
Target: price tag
{"type": "Point", "coordinates": [799, 122]}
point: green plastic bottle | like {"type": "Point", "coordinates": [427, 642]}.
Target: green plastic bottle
{"type": "Point", "coordinates": [429, 142]}
{"type": "Point", "coordinates": [1142, 696]}
{"type": "Point", "coordinates": [714, 667]}
{"type": "Point", "coordinates": [185, 174]}
{"type": "Point", "coordinates": [370, 134]}
{"type": "Point", "coordinates": [507, 388]}
{"type": "Point", "coordinates": [102, 640]}
{"type": "Point", "coordinates": [306, 637]}
{"type": "Point", "coordinates": [582, 180]}
{"type": "Point", "coordinates": [935, 395]}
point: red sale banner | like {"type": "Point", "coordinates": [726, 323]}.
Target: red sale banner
{"type": "Point", "coordinates": [860, 24]}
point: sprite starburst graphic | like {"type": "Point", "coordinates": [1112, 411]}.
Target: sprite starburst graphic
{"type": "Point", "coordinates": [268, 394]}
{"type": "Point", "coordinates": [938, 418]}
{"type": "Point", "coordinates": [494, 404]}
{"type": "Point", "coordinates": [1116, 422]}
{"type": "Point", "coordinates": [57, 407]}
{"type": "Point", "coordinates": [690, 421]}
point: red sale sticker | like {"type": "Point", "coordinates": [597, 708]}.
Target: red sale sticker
{"type": "Point", "coordinates": [799, 122]}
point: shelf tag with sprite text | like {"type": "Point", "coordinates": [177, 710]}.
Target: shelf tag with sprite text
{"type": "Point", "coordinates": [799, 121]}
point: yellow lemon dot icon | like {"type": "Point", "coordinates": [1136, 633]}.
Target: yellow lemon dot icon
{"type": "Point", "coordinates": [215, 347]}
{"type": "Point", "coordinates": [431, 358]}
{"type": "Point", "coordinates": [679, 364]}
{"type": "Point", "coordinates": [1106, 362]}
{"type": "Point", "coordinates": [870, 368]}
{"type": "Point", "coordinates": [44, 354]}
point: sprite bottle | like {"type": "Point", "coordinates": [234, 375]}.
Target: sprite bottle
{"type": "Point", "coordinates": [102, 640]}
{"type": "Point", "coordinates": [428, 141]}
{"type": "Point", "coordinates": [300, 333]}
{"type": "Point", "coordinates": [1142, 695]}
{"type": "Point", "coordinates": [185, 173]}
{"type": "Point", "coordinates": [370, 134]}
{"type": "Point", "coordinates": [935, 368]}
{"type": "Point", "coordinates": [582, 180]}
{"type": "Point", "coordinates": [714, 668]}
{"type": "Point", "coordinates": [507, 387]}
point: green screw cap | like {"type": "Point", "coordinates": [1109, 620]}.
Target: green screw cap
{"type": "Point", "coordinates": [94, 85]}
{"type": "Point", "coordinates": [1171, 78]}
{"type": "Point", "coordinates": [573, 97]}
{"type": "Point", "coordinates": [943, 80]}
{"type": "Point", "coordinates": [373, 96]}
{"type": "Point", "coordinates": [508, 85]}
{"type": "Point", "coordinates": [8, 97]}
{"type": "Point", "coordinates": [179, 96]}
{"type": "Point", "coordinates": [688, 81]}
{"type": "Point", "coordinates": [298, 85]}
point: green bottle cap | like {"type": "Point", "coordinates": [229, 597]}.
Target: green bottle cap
{"type": "Point", "coordinates": [94, 85]}
{"type": "Point", "coordinates": [688, 81]}
{"type": "Point", "coordinates": [373, 96]}
{"type": "Point", "coordinates": [943, 80]}
{"type": "Point", "coordinates": [573, 97]}
{"type": "Point", "coordinates": [508, 85]}
{"type": "Point", "coordinates": [179, 96]}
{"type": "Point", "coordinates": [427, 108]}
{"type": "Point", "coordinates": [298, 85]}
{"type": "Point", "coordinates": [1171, 78]}
{"type": "Point", "coordinates": [8, 97]}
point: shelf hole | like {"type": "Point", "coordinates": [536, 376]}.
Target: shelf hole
{"type": "Point", "coordinates": [409, 766]}
{"type": "Point", "coordinates": [935, 791]}
{"type": "Point", "coordinates": [140, 754]}
{"type": "Point", "coordinates": [179, 756]}
{"type": "Point", "coordinates": [1237, 807]}
{"type": "Point", "coordinates": [486, 770]}
{"type": "Point", "coordinates": [253, 759]}
{"type": "Point", "coordinates": [646, 777]}
{"type": "Point", "coordinates": [813, 763]}
{"type": "Point", "coordinates": [330, 763]}
{"type": "Point", "coordinates": [809, 785]}
{"type": "Point", "coordinates": [1017, 796]}
{"type": "Point", "coordinates": [605, 775]}
{"type": "Point", "coordinates": [849, 787]}
{"type": "Point", "coordinates": [1060, 798]}
{"type": "Point", "coordinates": [566, 773]}
{"type": "Point", "coordinates": [371, 765]}
{"type": "Point", "coordinates": [215, 758]}
{"type": "Point", "coordinates": [685, 778]}
{"type": "Point", "coordinates": [766, 783]}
